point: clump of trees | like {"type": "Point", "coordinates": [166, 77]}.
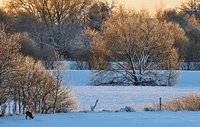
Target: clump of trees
{"type": "Point", "coordinates": [127, 47]}
{"type": "Point", "coordinates": [188, 16]}
{"type": "Point", "coordinates": [55, 26]}
{"type": "Point", "coordinates": [26, 82]}
{"type": "Point", "coordinates": [133, 46]}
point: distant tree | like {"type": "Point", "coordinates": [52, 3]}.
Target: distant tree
{"type": "Point", "coordinates": [133, 46]}
{"type": "Point", "coordinates": [98, 13]}
{"type": "Point", "coordinates": [192, 21]}
{"type": "Point", "coordinates": [50, 11]}
{"type": "Point", "coordinates": [65, 38]}
{"type": "Point", "coordinates": [190, 24]}
{"type": "Point", "coordinates": [96, 59]}
{"type": "Point", "coordinates": [190, 7]}
{"type": "Point", "coordinates": [56, 23]}
{"type": "Point", "coordinates": [171, 15]}
{"type": "Point", "coordinates": [194, 35]}
{"type": "Point", "coordinates": [5, 21]}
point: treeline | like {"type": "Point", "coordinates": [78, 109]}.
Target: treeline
{"type": "Point", "coordinates": [187, 15]}
{"type": "Point", "coordinates": [57, 28]}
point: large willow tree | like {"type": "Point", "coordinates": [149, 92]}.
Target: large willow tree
{"type": "Point", "coordinates": [132, 47]}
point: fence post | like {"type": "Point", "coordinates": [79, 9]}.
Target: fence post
{"type": "Point", "coordinates": [93, 107]}
{"type": "Point", "coordinates": [160, 101]}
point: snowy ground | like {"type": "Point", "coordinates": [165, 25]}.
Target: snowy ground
{"type": "Point", "coordinates": [82, 78]}
{"type": "Point", "coordinates": [135, 119]}
{"type": "Point", "coordinates": [114, 98]}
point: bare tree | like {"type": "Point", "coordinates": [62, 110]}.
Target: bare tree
{"type": "Point", "coordinates": [136, 46]}
{"type": "Point", "coordinates": [98, 13]}
{"type": "Point", "coordinates": [191, 7]}
{"type": "Point", "coordinates": [58, 72]}
{"type": "Point", "coordinates": [29, 85]}
{"type": "Point", "coordinates": [9, 48]}
{"type": "Point", "coordinates": [5, 21]}
{"type": "Point", "coordinates": [57, 23]}
{"type": "Point", "coordinates": [39, 90]}
{"type": "Point", "coordinates": [189, 21]}
{"type": "Point", "coordinates": [51, 11]}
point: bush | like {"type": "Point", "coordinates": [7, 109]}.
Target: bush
{"type": "Point", "coordinates": [126, 109]}
{"type": "Point", "coordinates": [149, 109]}
{"type": "Point", "coordinates": [189, 103]}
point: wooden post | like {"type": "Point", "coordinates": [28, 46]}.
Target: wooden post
{"type": "Point", "coordinates": [9, 108]}
{"type": "Point", "coordinates": [160, 101]}
{"type": "Point", "coordinates": [93, 107]}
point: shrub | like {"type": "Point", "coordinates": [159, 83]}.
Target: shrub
{"type": "Point", "coordinates": [189, 103]}
{"type": "Point", "coordinates": [149, 109]}
{"type": "Point", "coordinates": [126, 109]}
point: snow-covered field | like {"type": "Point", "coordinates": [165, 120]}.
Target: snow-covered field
{"type": "Point", "coordinates": [82, 78]}
{"type": "Point", "coordinates": [114, 98]}
{"type": "Point", "coordinates": [135, 119]}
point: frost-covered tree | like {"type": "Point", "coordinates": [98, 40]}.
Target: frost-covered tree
{"type": "Point", "coordinates": [190, 23]}
{"type": "Point", "coordinates": [132, 47]}
{"type": "Point", "coordinates": [5, 62]}
{"type": "Point", "coordinates": [61, 92]}
{"type": "Point", "coordinates": [26, 82]}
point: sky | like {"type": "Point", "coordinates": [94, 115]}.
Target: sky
{"type": "Point", "coordinates": [150, 4]}
{"type": "Point", "coordinates": [1, 1]}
